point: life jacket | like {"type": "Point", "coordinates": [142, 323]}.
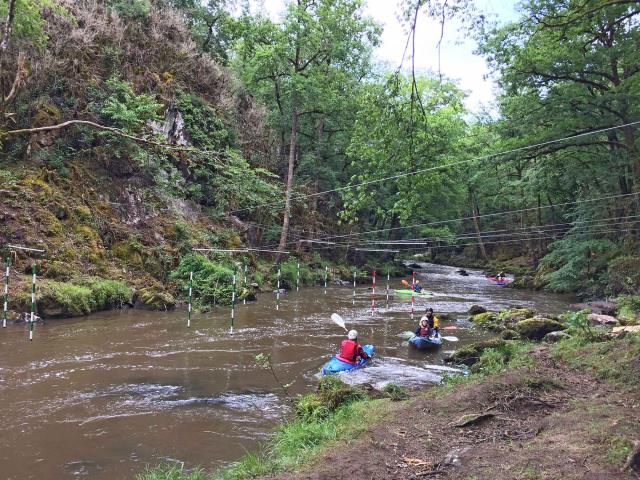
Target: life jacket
{"type": "Point", "coordinates": [424, 332]}
{"type": "Point", "coordinates": [349, 352]}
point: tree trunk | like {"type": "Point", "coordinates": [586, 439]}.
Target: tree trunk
{"type": "Point", "coordinates": [474, 215]}
{"type": "Point", "coordinates": [287, 201]}
{"type": "Point", "coordinates": [316, 173]}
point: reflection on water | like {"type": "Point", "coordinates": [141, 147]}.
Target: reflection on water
{"type": "Point", "coordinates": [103, 396]}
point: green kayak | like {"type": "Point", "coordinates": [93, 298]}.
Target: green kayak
{"type": "Point", "coordinates": [408, 291]}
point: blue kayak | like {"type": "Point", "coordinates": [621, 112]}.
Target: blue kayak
{"type": "Point", "coordinates": [334, 365]}
{"type": "Point", "coordinates": [425, 343]}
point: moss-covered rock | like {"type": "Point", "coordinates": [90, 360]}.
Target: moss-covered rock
{"type": "Point", "coordinates": [512, 316]}
{"type": "Point", "coordinates": [471, 353]}
{"type": "Point", "coordinates": [536, 328]}
{"type": "Point", "coordinates": [553, 337]}
{"type": "Point", "coordinates": [154, 298]}
{"type": "Point", "coordinates": [488, 320]}
{"type": "Point", "coordinates": [509, 334]}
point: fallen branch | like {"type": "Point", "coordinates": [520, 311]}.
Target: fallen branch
{"type": "Point", "coordinates": [116, 131]}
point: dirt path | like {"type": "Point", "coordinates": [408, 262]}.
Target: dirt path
{"type": "Point", "coordinates": [547, 423]}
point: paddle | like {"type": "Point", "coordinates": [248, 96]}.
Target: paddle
{"type": "Point", "coordinates": [451, 327]}
{"type": "Point", "coordinates": [450, 338]}
{"type": "Point", "coordinates": [337, 319]}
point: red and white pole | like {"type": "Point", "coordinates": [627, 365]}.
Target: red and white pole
{"type": "Point", "coordinates": [373, 293]}
{"type": "Point", "coordinates": [413, 291]}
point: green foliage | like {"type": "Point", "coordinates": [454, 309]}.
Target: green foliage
{"type": "Point", "coordinates": [131, 10]}
{"type": "Point", "coordinates": [81, 296]}
{"type": "Point", "coordinates": [29, 23]}
{"type": "Point", "coordinates": [509, 355]}
{"type": "Point", "coordinates": [211, 279]}
{"type": "Point", "coordinates": [288, 272]}
{"type": "Point", "coordinates": [610, 360]}
{"type": "Point", "coordinates": [629, 308]}
{"type": "Point", "coordinates": [171, 472]}
{"type": "Point", "coordinates": [624, 275]}
{"type": "Point", "coordinates": [122, 108]}
{"type": "Point", "coordinates": [578, 264]}
{"type": "Point", "coordinates": [395, 392]}
{"type": "Point", "coordinates": [399, 129]}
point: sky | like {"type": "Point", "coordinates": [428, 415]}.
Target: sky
{"type": "Point", "coordinates": [458, 61]}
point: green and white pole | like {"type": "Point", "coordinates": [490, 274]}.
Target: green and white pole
{"type": "Point", "coordinates": [6, 293]}
{"type": "Point", "coordinates": [278, 290]}
{"type": "Point", "coordinates": [355, 273]}
{"type": "Point", "coordinates": [326, 273]}
{"type": "Point", "coordinates": [244, 300]}
{"type": "Point", "coordinates": [233, 302]}
{"type": "Point", "coordinates": [298, 277]}
{"type": "Point", "coordinates": [33, 302]}
{"type": "Point", "coordinates": [190, 299]}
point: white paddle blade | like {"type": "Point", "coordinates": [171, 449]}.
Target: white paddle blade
{"type": "Point", "coordinates": [451, 338]}
{"type": "Point", "coordinates": [407, 335]}
{"type": "Point", "coordinates": [337, 319]}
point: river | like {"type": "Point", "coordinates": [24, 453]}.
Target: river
{"type": "Point", "coordinates": [103, 396]}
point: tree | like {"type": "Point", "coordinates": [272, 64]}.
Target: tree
{"type": "Point", "coordinates": [300, 64]}
{"type": "Point", "coordinates": [395, 133]}
{"type": "Point", "coordinates": [22, 30]}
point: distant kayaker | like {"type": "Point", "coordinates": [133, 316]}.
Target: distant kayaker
{"type": "Point", "coordinates": [433, 321]}
{"type": "Point", "coordinates": [417, 287]}
{"type": "Point", "coordinates": [350, 349]}
{"type": "Point", "coordinates": [500, 276]}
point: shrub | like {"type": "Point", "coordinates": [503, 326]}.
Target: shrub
{"type": "Point", "coordinates": [211, 280]}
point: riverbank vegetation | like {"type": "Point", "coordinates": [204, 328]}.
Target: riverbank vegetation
{"type": "Point", "coordinates": [134, 132]}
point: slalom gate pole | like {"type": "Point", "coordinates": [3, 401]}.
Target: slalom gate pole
{"type": "Point", "coordinates": [298, 277]}
{"type": "Point", "coordinates": [354, 286]}
{"type": "Point", "coordinates": [278, 290]}
{"type": "Point", "coordinates": [413, 298]}
{"type": "Point", "coordinates": [33, 301]}
{"type": "Point", "coordinates": [373, 293]}
{"type": "Point", "coordinates": [244, 300]}
{"type": "Point", "coordinates": [6, 293]}
{"type": "Point", "coordinates": [190, 299]}
{"type": "Point", "coordinates": [387, 288]}
{"type": "Point", "coordinates": [326, 272]}
{"type": "Point", "coordinates": [233, 301]}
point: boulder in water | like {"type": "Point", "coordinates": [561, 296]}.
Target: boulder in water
{"type": "Point", "coordinates": [462, 272]}
{"type": "Point", "coordinates": [514, 315]}
{"type": "Point", "coordinates": [595, 319]}
{"type": "Point", "coordinates": [536, 328]}
{"type": "Point", "coordinates": [152, 298]}
{"type": "Point", "coordinates": [476, 310]}
{"type": "Point", "coordinates": [488, 320]}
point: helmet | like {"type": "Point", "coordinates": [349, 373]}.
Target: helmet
{"type": "Point", "coordinates": [352, 335]}
{"type": "Point", "coordinates": [429, 310]}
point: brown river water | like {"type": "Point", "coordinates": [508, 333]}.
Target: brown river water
{"type": "Point", "coordinates": [103, 396]}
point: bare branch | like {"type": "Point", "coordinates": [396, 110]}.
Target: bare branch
{"type": "Point", "coordinates": [116, 131]}
{"type": "Point", "coordinates": [7, 27]}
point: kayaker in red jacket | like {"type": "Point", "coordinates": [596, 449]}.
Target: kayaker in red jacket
{"type": "Point", "coordinates": [350, 349]}
{"type": "Point", "coordinates": [423, 329]}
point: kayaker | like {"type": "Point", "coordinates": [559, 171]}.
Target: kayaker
{"type": "Point", "coordinates": [417, 287]}
{"type": "Point", "coordinates": [434, 322]}
{"type": "Point", "coordinates": [350, 349]}
{"type": "Point", "coordinates": [500, 276]}
{"type": "Point", "coordinates": [423, 328]}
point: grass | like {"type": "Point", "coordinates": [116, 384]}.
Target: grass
{"type": "Point", "coordinates": [78, 297]}
{"type": "Point", "coordinates": [336, 413]}
{"type": "Point", "coordinates": [605, 360]}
